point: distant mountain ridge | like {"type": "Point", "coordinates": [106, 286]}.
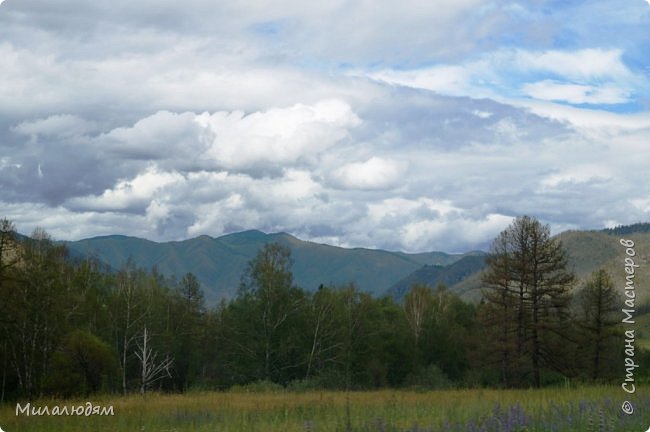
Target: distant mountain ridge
{"type": "Point", "coordinates": [219, 262]}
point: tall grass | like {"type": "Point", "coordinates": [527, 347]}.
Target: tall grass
{"type": "Point", "coordinates": [588, 409]}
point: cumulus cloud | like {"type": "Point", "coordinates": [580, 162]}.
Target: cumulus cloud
{"type": "Point", "coordinates": [260, 142]}
{"type": "Point", "coordinates": [419, 233]}
{"type": "Point", "coordinates": [160, 136]}
{"type": "Point", "coordinates": [375, 173]}
{"type": "Point", "coordinates": [128, 195]}
{"type": "Point", "coordinates": [276, 136]}
{"type": "Point", "coordinates": [351, 178]}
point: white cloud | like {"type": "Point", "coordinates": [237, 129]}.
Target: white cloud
{"type": "Point", "coordinates": [482, 114]}
{"type": "Point", "coordinates": [188, 74]}
{"type": "Point", "coordinates": [61, 125]}
{"type": "Point", "coordinates": [507, 130]}
{"type": "Point", "coordinates": [128, 195]}
{"type": "Point", "coordinates": [359, 123]}
{"type": "Point", "coordinates": [576, 93]}
{"type": "Point", "coordinates": [416, 235]}
{"type": "Point", "coordinates": [262, 140]}
{"type": "Point", "coordinates": [374, 174]}
{"type": "Point", "coordinates": [26, 80]}
{"type": "Point", "coordinates": [66, 224]}
{"type": "Point", "coordinates": [396, 207]}
{"type": "Point", "coordinates": [366, 31]}
{"type": "Point", "coordinates": [584, 76]}
{"type": "Point", "coordinates": [163, 135]}
{"type": "Point", "coordinates": [6, 162]}
{"type": "Point", "coordinates": [587, 120]}
{"type": "Point", "coordinates": [583, 64]}
{"type": "Point", "coordinates": [389, 180]}
{"type": "Point", "coordinates": [276, 136]}
{"type": "Point", "coordinates": [447, 79]}
{"type": "Point", "coordinates": [582, 173]}
{"type": "Point", "coordinates": [641, 204]}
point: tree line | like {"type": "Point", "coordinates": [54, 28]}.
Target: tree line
{"type": "Point", "coordinates": [73, 327]}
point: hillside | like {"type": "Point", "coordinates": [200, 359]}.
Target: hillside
{"type": "Point", "coordinates": [591, 250]}
{"type": "Point", "coordinates": [587, 251]}
{"type": "Point", "coordinates": [219, 262]}
{"type": "Point", "coordinates": [620, 230]}
{"type": "Point", "coordinates": [433, 275]}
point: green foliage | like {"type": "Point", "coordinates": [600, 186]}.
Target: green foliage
{"type": "Point", "coordinates": [441, 326]}
{"type": "Point", "coordinates": [36, 304]}
{"type": "Point", "coordinates": [70, 327]}
{"type": "Point", "coordinates": [268, 316]}
{"type": "Point", "coordinates": [188, 307]}
{"type": "Point", "coordinates": [83, 364]}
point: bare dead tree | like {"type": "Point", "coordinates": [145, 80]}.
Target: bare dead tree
{"type": "Point", "coordinates": [131, 312]}
{"type": "Point", "coordinates": [151, 369]}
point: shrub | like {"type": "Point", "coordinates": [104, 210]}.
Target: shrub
{"type": "Point", "coordinates": [430, 378]}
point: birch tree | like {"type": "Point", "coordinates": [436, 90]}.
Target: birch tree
{"type": "Point", "coordinates": [417, 307]}
{"type": "Point", "coordinates": [268, 282]}
{"type": "Point", "coordinates": [324, 331]}
{"type": "Point", "coordinates": [35, 318]}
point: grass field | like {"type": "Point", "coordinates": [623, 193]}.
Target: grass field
{"type": "Point", "coordinates": [565, 409]}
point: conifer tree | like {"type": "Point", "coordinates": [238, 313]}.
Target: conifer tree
{"type": "Point", "coordinates": [527, 300]}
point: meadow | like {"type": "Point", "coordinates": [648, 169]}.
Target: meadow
{"type": "Point", "coordinates": [595, 408]}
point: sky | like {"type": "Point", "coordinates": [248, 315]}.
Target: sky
{"type": "Point", "coordinates": [412, 125]}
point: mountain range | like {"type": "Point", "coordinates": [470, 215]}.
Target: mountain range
{"type": "Point", "coordinates": [219, 262]}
